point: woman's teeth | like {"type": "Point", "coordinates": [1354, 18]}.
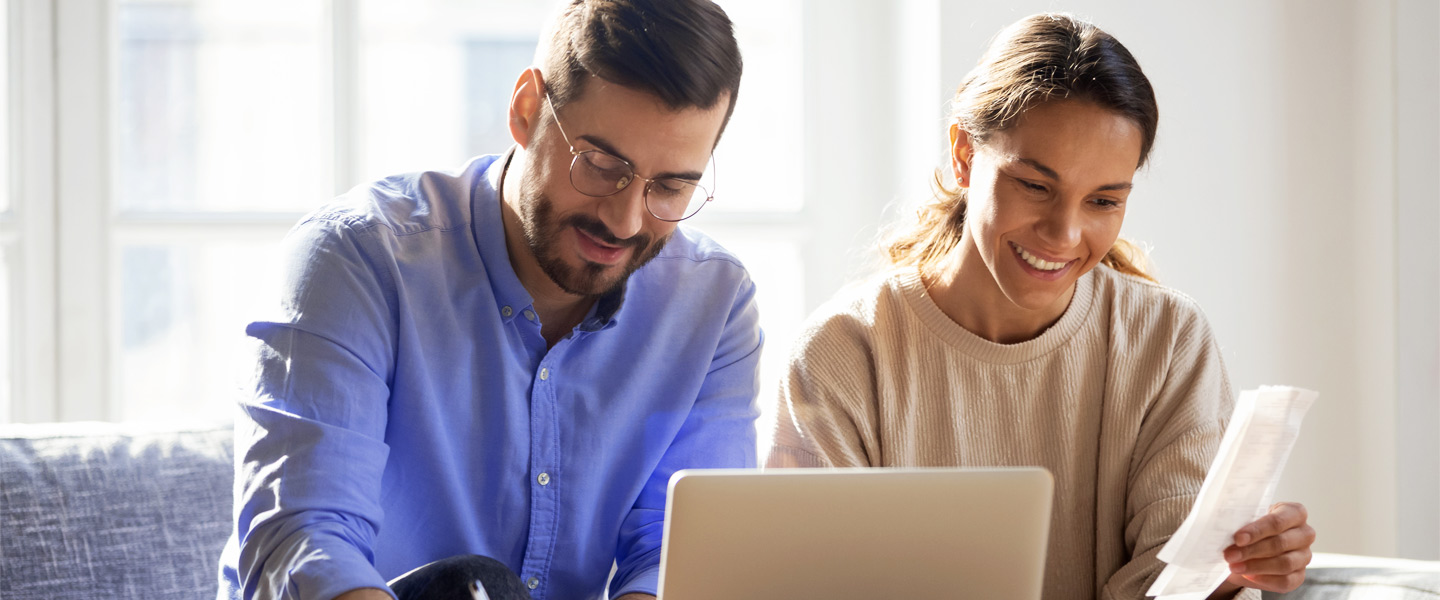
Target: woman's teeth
{"type": "Point", "coordinates": [1043, 265]}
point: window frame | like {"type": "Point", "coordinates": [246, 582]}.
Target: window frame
{"type": "Point", "coordinates": [83, 263]}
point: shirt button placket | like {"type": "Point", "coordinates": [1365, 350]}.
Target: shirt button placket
{"type": "Point", "coordinates": [544, 504]}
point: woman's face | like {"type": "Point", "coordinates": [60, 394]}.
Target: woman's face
{"type": "Point", "coordinates": [1047, 198]}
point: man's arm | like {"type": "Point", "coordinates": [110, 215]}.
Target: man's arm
{"type": "Point", "coordinates": [309, 444]}
{"type": "Point", "coordinates": [718, 432]}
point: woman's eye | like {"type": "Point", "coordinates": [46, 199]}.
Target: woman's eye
{"type": "Point", "coordinates": [1034, 187]}
{"type": "Point", "coordinates": [1105, 203]}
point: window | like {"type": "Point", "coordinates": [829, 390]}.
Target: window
{"type": "Point", "coordinates": [212, 126]}
{"type": "Point", "coordinates": [219, 144]}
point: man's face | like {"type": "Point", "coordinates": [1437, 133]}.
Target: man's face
{"type": "Point", "coordinates": [590, 245]}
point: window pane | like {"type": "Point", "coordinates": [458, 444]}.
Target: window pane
{"type": "Point", "coordinates": [758, 164]}
{"type": "Point", "coordinates": [436, 77]}
{"type": "Point", "coordinates": [183, 351]}
{"type": "Point", "coordinates": [219, 105]}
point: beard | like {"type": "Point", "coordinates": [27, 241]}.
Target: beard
{"type": "Point", "coordinates": [543, 233]}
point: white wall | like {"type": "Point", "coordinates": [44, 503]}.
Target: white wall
{"type": "Point", "coordinates": [1417, 170]}
{"type": "Point", "coordinates": [1270, 198]}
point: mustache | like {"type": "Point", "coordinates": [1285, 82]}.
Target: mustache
{"type": "Point", "coordinates": [599, 231]}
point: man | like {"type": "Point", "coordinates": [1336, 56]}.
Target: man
{"type": "Point", "coordinates": [510, 360]}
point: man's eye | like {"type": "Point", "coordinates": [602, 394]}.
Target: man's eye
{"type": "Point", "coordinates": [671, 186]}
{"type": "Point", "coordinates": [604, 162]}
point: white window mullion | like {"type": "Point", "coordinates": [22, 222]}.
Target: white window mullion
{"type": "Point", "coordinates": [83, 114]}
{"type": "Point", "coordinates": [32, 118]}
{"type": "Point", "coordinates": [344, 50]}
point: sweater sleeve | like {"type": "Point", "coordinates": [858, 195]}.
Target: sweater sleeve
{"type": "Point", "coordinates": [826, 400]}
{"type": "Point", "coordinates": [1178, 440]}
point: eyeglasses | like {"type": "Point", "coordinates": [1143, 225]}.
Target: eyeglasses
{"type": "Point", "coordinates": [598, 174]}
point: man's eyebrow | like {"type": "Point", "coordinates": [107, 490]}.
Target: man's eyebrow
{"type": "Point", "coordinates": [609, 148]}
{"type": "Point", "coordinates": [1049, 172]}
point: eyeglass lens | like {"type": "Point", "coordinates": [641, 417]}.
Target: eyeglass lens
{"type": "Point", "coordinates": [596, 173]}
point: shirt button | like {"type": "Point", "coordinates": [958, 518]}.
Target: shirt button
{"type": "Point", "coordinates": [529, 314]}
{"type": "Point", "coordinates": [505, 311]}
{"type": "Point", "coordinates": [543, 478]}
{"type": "Point", "coordinates": [533, 583]}
{"type": "Point", "coordinates": [544, 374]}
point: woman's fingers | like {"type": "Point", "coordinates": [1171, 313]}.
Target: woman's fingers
{"type": "Point", "coordinates": [1283, 516]}
{"type": "Point", "coordinates": [1292, 539]}
{"type": "Point", "coordinates": [1276, 583]}
{"type": "Point", "coordinates": [1283, 564]}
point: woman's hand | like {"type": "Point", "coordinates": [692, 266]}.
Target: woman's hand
{"type": "Point", "coordinates": [1270, 553]}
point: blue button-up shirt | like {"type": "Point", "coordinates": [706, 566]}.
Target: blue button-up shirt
{"type": "Point", "coordinates": [407, 409]}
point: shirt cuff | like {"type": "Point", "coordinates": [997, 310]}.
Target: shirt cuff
{"type": "Point", "coordinates": [645, 581]}
{"type": "Point", "coordinates": [319, 567]}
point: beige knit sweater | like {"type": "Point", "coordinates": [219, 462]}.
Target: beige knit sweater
{"type": "Point", "coordinates": [1124, 400]}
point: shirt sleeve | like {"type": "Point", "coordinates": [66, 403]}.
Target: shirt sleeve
{"type": "Point", "coordinates": [825, 399]}
{"type": "Point", "coordinates": [1178, 440]}
{"type": "Point", "coordinates": [309, 440]}
{"type": "Point", "coordinates": [718, 432]}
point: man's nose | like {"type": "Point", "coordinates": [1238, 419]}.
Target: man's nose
{"type": "Point", "coordinates": [624, 212]}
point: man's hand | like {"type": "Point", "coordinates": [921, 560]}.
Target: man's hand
{"type": "Point", "coordinates": [636, 596]}
{"type": "Point", "coordinates": [1270, 553]}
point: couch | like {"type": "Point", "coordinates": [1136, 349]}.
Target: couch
{"type": "Point", "coordinates": [99, 510]}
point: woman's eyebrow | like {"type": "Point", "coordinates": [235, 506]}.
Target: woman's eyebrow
{"type": "Point", "coordinates": [1049, 172]}
{"type": "Point", "coordinates": [1039, 166]}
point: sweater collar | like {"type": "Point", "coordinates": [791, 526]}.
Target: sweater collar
{"type": "Point", "coordinates": [936, 321]}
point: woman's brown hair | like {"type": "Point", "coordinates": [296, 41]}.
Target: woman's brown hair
{"type": "Point", "coordinates": [1039, 58]}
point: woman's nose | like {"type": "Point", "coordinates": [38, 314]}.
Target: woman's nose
{"type": "Point", "coordinates": [1061, 227]}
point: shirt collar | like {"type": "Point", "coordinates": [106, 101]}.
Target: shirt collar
{"type": "Point", "coordinates": [602, 315]}
{"type": "Point", "coordinates": [488, 226]}
{"type": "Point", "coordinates": [489, 229]}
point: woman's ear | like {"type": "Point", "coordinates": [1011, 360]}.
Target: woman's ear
{"type": "Point", "coordinates": [525, 102]}
{"type": "Point", "coordinates": [961, 153]}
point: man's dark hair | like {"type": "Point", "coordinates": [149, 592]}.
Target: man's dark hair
{"type": "Point", "coordinates": [682, 51]}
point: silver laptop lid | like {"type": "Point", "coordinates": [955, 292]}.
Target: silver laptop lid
{"type": "Point", "coordinates": [856, 533]}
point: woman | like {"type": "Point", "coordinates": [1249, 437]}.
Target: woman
{"type": "Point", "coordinates": [1016, 330]}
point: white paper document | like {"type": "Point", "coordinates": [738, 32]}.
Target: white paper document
{"type": "Point", "coordinates": [1238, 489]}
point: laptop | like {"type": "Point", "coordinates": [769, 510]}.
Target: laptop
{"type": "Point", "coordinates": [856, 533]}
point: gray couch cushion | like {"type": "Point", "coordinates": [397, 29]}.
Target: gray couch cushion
{"type": "Point", "coordinates": [94, 510]}
{"type": "Point", "coordinates": [1346, 577]}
